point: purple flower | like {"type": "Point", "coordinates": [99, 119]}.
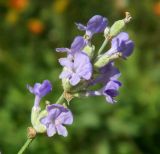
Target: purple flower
{"type": "Point", "coordinates": [108, 76]}
{"type": "Point", "coordinates": [111, 90]}
{"type": "Point", "coordinates": [40, 90]}
{"type": "Point", "coordinates": [76, 67]}
{"type": "Point", "coordinates": [57, 116]}
{"type": "Point", "coordinates": [78, 44]}
{"type": "Point", "coordinates": [106, 73]}
{"type": "Point", "coordinates": [96, 24]}
{"type": "Point", "coordinates": [121, 43]}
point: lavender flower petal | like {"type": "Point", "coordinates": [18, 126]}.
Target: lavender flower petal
{"type": "Point", "coordinates": [121, 43]}
{"type": "Point", "coordinates": [57, 116]}
{"type": "Point", "coordinates": [65, 62]}
{"type": "Point", "coordinates": [75, 79]}
{"type": "Point", "coordinates": [111, 90]}
{"type": "Point", "coordinates": [51, 130]}
{"type": "Point", "coordinates": [106, 73]}
{"type": "Point", "coordinates": [81, 26]}
{"type": "Point", "coordinates": [40, 90]}
{"type": "Point", "coordinates": [62, 49]}
{"type": "Point", "coordinates": [81, 68]}
{"type": "Point", "coordinates": [96, 24]}
{"type": "Point", "coordinates": [61, 130]}
{"type": "Point", "coordinates": [77, 45]}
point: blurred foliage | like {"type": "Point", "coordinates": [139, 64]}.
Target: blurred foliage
{"type": "Point", "coordinates": [29, 33]}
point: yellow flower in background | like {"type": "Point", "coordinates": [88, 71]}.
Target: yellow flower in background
{"type": "Point", "coordinates": [12, 17]}
{"type": "Point", "coordinates": [59, 6]}
{"type": "Point", "coordinates": [156, 8]}
{"type": "Point", "coordinates": [35, 26]}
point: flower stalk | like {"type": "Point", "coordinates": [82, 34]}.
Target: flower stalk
{"type": "Point", "coordinates": [31, 132]}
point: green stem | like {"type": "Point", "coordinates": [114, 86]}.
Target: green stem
{"type": "Point", "coordinates": [25, 146]}
{"type": "Point", "coordinates": [103, 45]}
{"type": "Point", "coordinates": [60, 99]}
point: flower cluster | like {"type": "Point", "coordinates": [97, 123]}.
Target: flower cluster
{"type": "Point", "coordinates": [83, 68]}
{"type": "Point", "coordinates": [51, 119]}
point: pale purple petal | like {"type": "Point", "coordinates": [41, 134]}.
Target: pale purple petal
{"type": "Point", "coordinates": [45, 88]}
{"type": "Point", "coordinates": [56, 117]}
{"type": "Point", "coordinates": [96, 24]}
{"type": "Point", "coordinates": [45, 121]}
{"type": "Point", "coordinates": [41, 89]}
{"type": "Point", "coordinates": [61, 130]}
{"type": "Point", "coordinates": [65, 62]}
{"type": "Point", "coordinates": [55, 112]}
{"type": "Point", "coordinates": [120, 38]}
{"type": "Point", "coordinates": [65, 74]}
{"type": "Point", "coordinates": [57, 106]}
{"type": "Point", "coordinates": [66, 118]}
{"type": "Point", "coordinates": [75, 79]}
{"type": "Point", "coordinates": [78, 44]}
{"type": "Point", "coordinates": [51, 130]}
{"type": "Point", "coordinates": [81, 26]}
{"type": "Point", "coordinates": [83, 66]}
{"type": "Point", "coordinates": [62, 50]}
{"type": "Point", "coordinates": [121, 43]}
{"type": "Point", "coordinates": [106, 73]}
{"type": "Point", "coordinates": [86, 74]}
{"type": "Point", "coordinates": [35, 89]}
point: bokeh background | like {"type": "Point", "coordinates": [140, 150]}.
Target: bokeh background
{"type": "Point", "coordinates": [30, 30]}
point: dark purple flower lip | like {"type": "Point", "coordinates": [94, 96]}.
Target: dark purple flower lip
{"type": "Point", "coordinates": [111, 92]}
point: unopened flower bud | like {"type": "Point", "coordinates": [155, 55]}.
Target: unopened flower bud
{"type": "Point", "coordinates": [119, 25]}
{"type": "Point", "coordinates": [105, 59]}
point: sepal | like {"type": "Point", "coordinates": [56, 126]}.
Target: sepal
{"type": "Point", "coordinates": [36, 116]}
{"type": "Point", "coordinates": [89, 50]}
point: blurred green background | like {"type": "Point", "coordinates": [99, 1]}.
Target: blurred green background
{"type": "Point", "coordinates": [30, 30]}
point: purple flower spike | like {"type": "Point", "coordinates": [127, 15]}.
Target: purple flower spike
{"type": "Point", "coordinates": [111, 90]}
{"type": "Point", "coordinates": [121, 43]}
{"type": "Point", "coordinates": [76, 67]}
{"type": "Point", "coordinates": [96, 24]}
{"type": "Point", "coordinates": [57, 116]}
{"type": "Point", "coordinates": [78, 44]}
{"type": "Point", "coordinates": [40, 90]}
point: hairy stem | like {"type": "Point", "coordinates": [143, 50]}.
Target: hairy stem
{"type": "Point", "coordinates": [60, 99]}
{"type": "Point", "coordinates": [103, 45]}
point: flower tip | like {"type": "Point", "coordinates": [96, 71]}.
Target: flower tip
{"type": "Point", "coordinates": [128, 17]}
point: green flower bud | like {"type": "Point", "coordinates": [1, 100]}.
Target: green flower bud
{"type": "Point", "coordinates": [36, 116]}
{"type": "Point", "coordinates": [119, 25]}
{"type": "Point", "coordinates": [105, 59]}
